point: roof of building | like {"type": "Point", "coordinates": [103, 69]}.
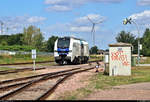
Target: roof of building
{"type": "Point", "coordinates": [72, 37]}
{"type": "Point", "coordinates": [120, 44]}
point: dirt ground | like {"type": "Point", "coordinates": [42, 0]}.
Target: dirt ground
{"type": "Point", "coordinates": [73, 83]}
{"type": "Point", "coordinates": [139, 91]}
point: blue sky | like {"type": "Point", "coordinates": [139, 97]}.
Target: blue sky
{"type": "Point", "coordinates": [69, 17]}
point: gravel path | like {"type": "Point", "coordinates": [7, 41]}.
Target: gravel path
{"type": "Point", "coordinates": [73, 83]}
{"type": "Point", "coordinates": [139, 91]}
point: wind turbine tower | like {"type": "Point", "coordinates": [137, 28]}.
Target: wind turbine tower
{"type": "Point", "coordinates": [93, 28]}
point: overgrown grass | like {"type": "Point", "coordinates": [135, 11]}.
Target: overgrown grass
{"type": "Point", "coordinates": [95, 57]}
{"type": "Point", "coordinates": [5, 68]}
{"type": "Point", "coordinates": [76, 94]}
{"type": "Point", "coordinates": [18, 75]}
{"type": "Point", "coordinates": [145, 60]}
{"type": "Point", "coordinates": [100, 81]}
{"type": "Point", "coordinates": [7, 59]}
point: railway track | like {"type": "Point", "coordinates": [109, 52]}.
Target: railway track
{"type": "Point", "coordinates": [52, 89]}
{"type": "Point", "coordinates": [26, 63]}
{"type": "Point", "coordinates": [27, 69]}
{"type": "Point", "coordinates": [36, 62]}
{"type": "Point", "coordinates": [19, 70]}
{"type": "Point", "coordinates": [6, 84]}
{"type": "Point", "coordinates": [45, 84]}
{"type": "Point", "coordinates": [13, 82]}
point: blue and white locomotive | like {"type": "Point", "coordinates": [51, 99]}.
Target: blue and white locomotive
{"type": "Point", "coordinates": [71, 50]}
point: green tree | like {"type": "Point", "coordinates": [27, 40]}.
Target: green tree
{"type": "Point", "coordinates": [4, 43]}
{"type": "Point", "coordinates": [50, 43]}
{"type": "Point", "coordinates": [44, 47]}
{"type": "Point", "coordinates": [33, 37]}
{"type": "Point", "coordinates": [93, 50]}
{"type": "Point", "coordinates": [146, 43]}
{"type": "Point", "coordinates": [28, 34]}
{"type": "Point", "coordinates": [15, 39]}
{"type": "Point", "coordinates": [38, 40]}
{"type": "Point", "coordinates": [4, 39]}
{"type": "Point", "coordinates": [127, 38]}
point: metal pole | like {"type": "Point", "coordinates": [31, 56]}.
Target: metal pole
{"type": "Point", "coordinates": [94, 36]}
{"type": "Point", "coordinates": [138, 42]}
{"type": "Point", "coordinates": [34, 64]}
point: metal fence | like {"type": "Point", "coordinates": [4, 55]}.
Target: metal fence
{"type": "Point", "coordinates": [5, 52]}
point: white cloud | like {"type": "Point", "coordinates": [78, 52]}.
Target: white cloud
{"type": "Point", "coordinates": [143, 2]}
{"type": "Point", "coordinates": [36, 19]}
{"type": "Point", "coordinates": [94, 17]}
{"type": "Point", "coordinates": [58, 8]}
{"type": "Point", "coordinates": [58, 27]}
{"type": "Point", "coordinates": [68, 5]}
{"type": "Point", "coordinates": [83, 29]}
{"type": "Point", "coordinates": [54, 1]}
{"type": "Point", "coordinates": [135, 32]}
{"type": "Point", "coordinates": [79, 1]}
{"type": "Point", "coordinates": [81, 24]}
{"type": "Point", "coordinates": [16, 24]}
{"type": "Point", "coordinates": [142, 15]}
{"type": "Point", "coordinates": [142, 19]}
{"type": "Point", "coordinates": [80, 29]}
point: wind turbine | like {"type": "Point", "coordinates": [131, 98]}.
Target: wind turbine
{"type": "Point", "coordinates": [93, 28]}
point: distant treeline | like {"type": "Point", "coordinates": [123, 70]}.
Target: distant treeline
{"type": "Point", "coordinates": [127, 37]}
{"type": "Point", "coordinates": [31, 38]}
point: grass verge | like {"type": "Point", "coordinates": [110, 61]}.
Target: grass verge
{"type": "Point", "coordinates": [5, 68]}
{"type": "Point", "coordinates": [9, 59]}
{"type": "Point", "coordinates": [100, 81]}
{"type": "Point", "coordinates": [145, 60]}
{"type": "Point", "coordinates": [17, 75]}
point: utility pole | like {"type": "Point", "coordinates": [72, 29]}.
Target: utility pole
{"type": "Point", "coordinates": [130, 21]}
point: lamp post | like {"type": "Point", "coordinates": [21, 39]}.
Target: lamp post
{"type": "Point", "coordinates": [130, 21]}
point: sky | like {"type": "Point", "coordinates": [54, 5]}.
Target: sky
{"type": "Point", "coordinates": [70, 18]}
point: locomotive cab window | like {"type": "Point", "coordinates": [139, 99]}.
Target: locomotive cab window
{"type": "Point", "coordinates": [63, 42]}
{"type": "Point", "coordinates": [82, 46]}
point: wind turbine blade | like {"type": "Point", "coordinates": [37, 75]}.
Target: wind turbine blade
{"type": "Point", "coordinates": [99, 22]}
{"type": "Point", "coordinates": [90, 20]}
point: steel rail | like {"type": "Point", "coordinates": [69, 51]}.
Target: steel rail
{"type": "Point", "coordinates": [36, 62]}
{"type": "Point", "coordinates": [26, 69]}
{"type": "Point", "coordinates": [52, 89]}
{"type": "Point", "coordinates": [25, 78]}
{"type": "Point", "coordinates": [37, 81]}
{"type": "Point", "coordinates": [19, 70]}
{"type": "Point", "coordinates": [7, 81]}
{"type": "Point", "coordinates": [26, 63]}
{"type": "Point", "coordinates": [21, 83]}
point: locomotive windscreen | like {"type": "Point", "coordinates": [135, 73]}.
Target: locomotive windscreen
{"type": "Point", "coordinates": [63, 42]}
